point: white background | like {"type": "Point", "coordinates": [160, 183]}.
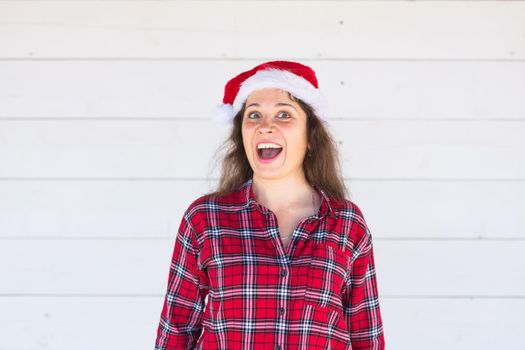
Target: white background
{"type": "Point", "coordinates": [105, 139]}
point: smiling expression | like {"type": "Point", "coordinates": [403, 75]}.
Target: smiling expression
{"type": "Point", "coordinates": [272, 118]}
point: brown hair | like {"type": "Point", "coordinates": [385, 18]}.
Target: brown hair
{"type": "Point", "coordinates": [321, 168]}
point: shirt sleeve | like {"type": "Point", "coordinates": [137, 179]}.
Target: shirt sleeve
{"type": "Point", "coordinates": [360, 298]}
{"type": "Point", "coordinates": [180, 320]}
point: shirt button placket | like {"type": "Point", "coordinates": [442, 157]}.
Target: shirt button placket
{"type": "Point", "coordinates": [283, 301]}
{"type": "Point", "coordinates": [283, 274]}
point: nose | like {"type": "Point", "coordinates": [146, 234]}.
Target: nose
{"type": "Point", "coordinates": [266, 124]}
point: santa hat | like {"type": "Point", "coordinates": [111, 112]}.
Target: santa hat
{"type": "Point", "coordinates": [293, 77]}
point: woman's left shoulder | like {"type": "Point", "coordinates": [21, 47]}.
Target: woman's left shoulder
{"type": "Point", "coordinates": [356, 232]}
{"type": "Point", "coordinates": [346, 208]}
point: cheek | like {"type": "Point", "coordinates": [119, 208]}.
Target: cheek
{"type": "Point", "coordinates": [298, 142]}
{"type": "Point", "coordinates": [246, 141]}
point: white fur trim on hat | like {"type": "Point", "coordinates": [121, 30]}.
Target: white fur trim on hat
{"type": "Point", "coordinates": [285, 80]}
{"type": "Point", "coordinates": [222, 113]}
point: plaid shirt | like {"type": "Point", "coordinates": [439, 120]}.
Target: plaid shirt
{"type": "Point", "coordinates": [233, 285]}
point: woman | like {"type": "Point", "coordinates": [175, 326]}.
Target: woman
{"type": "Point", "coordinates": [285, 261]}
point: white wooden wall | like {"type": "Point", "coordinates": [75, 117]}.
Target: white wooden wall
{"type": "Point", "coordinates": [105, 139]}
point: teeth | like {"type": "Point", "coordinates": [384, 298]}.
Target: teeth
{"type": "Point", "coordinates": [268, 145]}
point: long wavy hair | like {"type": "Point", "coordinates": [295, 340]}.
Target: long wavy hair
{"type": "Point", "coordinates": [321, 168]}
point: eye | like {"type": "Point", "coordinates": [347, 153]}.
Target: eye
{"type": "Point", "coordinates": [285, 113]}
{"type": "Point", "coordinates": [250, 114]}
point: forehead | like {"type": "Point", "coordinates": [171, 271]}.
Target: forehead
{"type": "Point", "coordinates": [269, 95]}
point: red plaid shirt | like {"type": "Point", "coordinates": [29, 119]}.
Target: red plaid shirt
{"type": "Point", "coordinates": [319, 293]}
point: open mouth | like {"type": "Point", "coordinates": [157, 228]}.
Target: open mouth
{"type": "Point", "coordinates": [268, 153]}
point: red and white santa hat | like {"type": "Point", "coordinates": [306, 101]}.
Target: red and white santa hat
{"type": "Point", "coordinates": [294, 77]}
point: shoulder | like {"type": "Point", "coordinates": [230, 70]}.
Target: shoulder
{"type": "Point", "coordinates": [210, 206]}
{"type": "Point", "coordinates": [348, 210]}
{"type": "Point", "coordinates": [351, 221]}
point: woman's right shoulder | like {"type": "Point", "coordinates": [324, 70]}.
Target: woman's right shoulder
{"type": "Point", "coordinates": [200, 204]}
{"type": "Point", "coordinates": [211, 203]}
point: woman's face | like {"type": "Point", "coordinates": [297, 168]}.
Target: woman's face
{"type": "Point", "coordinates": [270, 117]}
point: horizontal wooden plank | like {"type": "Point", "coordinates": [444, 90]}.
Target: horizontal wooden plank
{"type": "Point", "coordinates": [467, 324]}
{"type": "Point", "coordinates": [191, 88]}
{"type": "Point", "coordinates": [83, 323]}
{"type": "Point", "coordinates": [324, 29]}
{"type": "Point", "coordinates": [175, 149]}
{"type": "Point", "coordinates": [131, 267]}
{"type": "Point", "coordinates": [94, 209]}
{"type": "Point", "coordinates": [153, 208]}
{"type": "Point", "coordinates": [90, 267]}
{"type": "Point", "coordinates": [450, 268]}
{"type": "Point", "coordinates": [80, 323]}
{"type": "Point", "coordinates": [437, 209]}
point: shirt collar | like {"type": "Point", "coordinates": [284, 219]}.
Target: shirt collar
{"type": "Point", "coordinates": [249, 199]}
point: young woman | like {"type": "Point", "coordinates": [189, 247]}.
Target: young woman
{"type": "Point", "coordinates": [285, 261]}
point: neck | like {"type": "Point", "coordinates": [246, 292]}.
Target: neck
{"type": "Point", "coordinates": [289, 193]}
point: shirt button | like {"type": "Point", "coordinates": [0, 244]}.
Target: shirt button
{"type": "Point", "coordinates": [281, 310]}
{"type": "Point", "coordinates": [283, 272]}
{"type": "Point", "coordinates": [278, 347]}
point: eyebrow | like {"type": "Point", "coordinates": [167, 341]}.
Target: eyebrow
{"type": "Point", "coordinates": [277, 104]}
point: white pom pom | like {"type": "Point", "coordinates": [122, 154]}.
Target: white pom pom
{"type": "Point", "coordinates": [222, 113]}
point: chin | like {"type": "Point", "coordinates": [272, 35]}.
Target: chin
{"type": "Point", "coordinates": [267, 173]}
